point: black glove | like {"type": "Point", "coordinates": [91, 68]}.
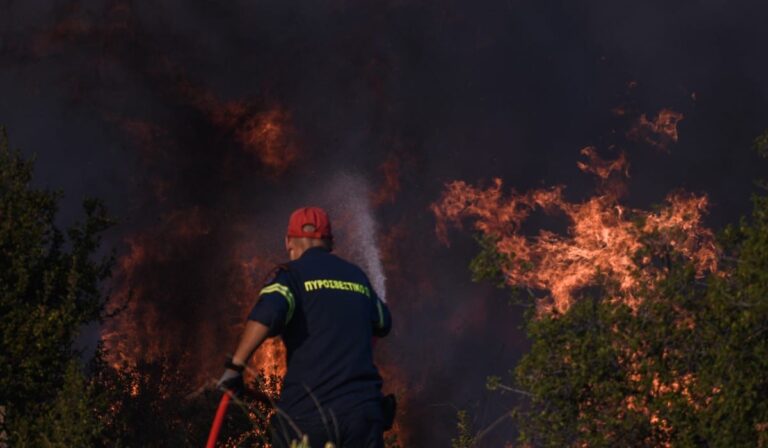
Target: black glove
{"type": "Point", "coordinates": [232, 379]}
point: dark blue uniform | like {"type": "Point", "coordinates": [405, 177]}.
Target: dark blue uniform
{"type": "Point", "coordinates": [327, 312]}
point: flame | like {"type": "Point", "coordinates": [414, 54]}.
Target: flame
{"type": "Point", "coordinates": [639, 403]}
{"type": "Point", "coordinates": [270, 358]}
{"type": "Point", "coordinates": [261, 129]}
{"type": "Point", "coordinates": [269, 361]}
{"type": "Point", "coordinates": [135, 390]}
{"type": "Point", "coordinates": [410, 296]}
{"type": "Point", "coordinates": [602, 168]}
{"type": "Point", "coordinates": [660, 133]}
{"type": "Point", "coordinates": [137, 332]}
{"type": "Point", "coordinates": [602, 239]}
{"type": "Point", "coordinates": [603, 236]}
{"type": "Point", "coordinates": [396, 380]}
{"type": "Point", "coordinates": [173, 306]}
{"type": "Point", "coordinates": [147, 328]}
{"type": "Point", "coordinates": [267, 133]}
{"type": "Point", "coordinates": [390, 186]}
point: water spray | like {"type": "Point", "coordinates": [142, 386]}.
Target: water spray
{"type": "Point", "coordinates": [347, 199]}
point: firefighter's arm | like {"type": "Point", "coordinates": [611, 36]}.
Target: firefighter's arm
{"type": "Point", "coordinates": [253, 336]}
{"type": "Point", "coordinates": [232, 380]}
{"type": "Point", "coordinates": [267, 318]}
{"type": "Point", "coordinates": [382, 319]}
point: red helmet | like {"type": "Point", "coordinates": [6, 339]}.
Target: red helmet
{"type": "Point", "coordinates": [314, 216]}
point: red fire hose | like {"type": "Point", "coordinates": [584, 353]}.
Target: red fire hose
{"type": "Point", "coordinates": [213, 436]}
{"type": "Point", "coordinates": [218, 420]}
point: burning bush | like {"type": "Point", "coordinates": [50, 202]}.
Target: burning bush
{"type": "Point", "coordinates": [644, 330]}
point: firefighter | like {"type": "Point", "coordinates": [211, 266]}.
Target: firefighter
{"type": "Point", "coordinates": [326, 312]}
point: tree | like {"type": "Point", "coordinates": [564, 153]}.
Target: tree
{"type": "Point", "coordinates": [49, 288]}
{"type": "Point", "coordinates": [72, 418]}
{"type": "Point", "coordinates": [689, 367]}
{"type": "Point", "coordinates": [686, 364]}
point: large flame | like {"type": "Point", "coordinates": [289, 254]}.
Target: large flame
{"type": "Point", "coordinates": [603, 236]}
{"type": "Point", "coordinates": [603, 240]}
{"type": "Point", "coordinates": [174, 308]}
{"type": "Point", "coordinates": [147, 329]}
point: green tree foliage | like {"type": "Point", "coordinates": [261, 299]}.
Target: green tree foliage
{"type": "Point", "coordinates": [49, 288]}
{"type": "Point", "coordinates": [761, 144]}
{"type": "Point", "coordinates": [465, 437]}
{"type": "Point", "coordinates": [687, 367]}
{"type": "Point", "coordinates": [71, 419]}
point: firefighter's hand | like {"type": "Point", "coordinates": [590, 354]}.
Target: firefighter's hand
{"type": "Point", "coordinates": [232, 379]}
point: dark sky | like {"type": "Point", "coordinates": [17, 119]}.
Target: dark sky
{"type": "Point", "coordinates": [122, 100]}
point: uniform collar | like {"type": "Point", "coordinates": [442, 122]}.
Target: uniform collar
{"type": "Point", "coordinates": [312, 251]}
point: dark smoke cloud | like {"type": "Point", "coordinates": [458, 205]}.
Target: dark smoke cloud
{"type": "Point", "coordinates": [145, 105]}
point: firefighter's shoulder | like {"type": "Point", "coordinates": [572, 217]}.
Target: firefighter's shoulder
{"type": "Point", "coordinates": [277, 273]}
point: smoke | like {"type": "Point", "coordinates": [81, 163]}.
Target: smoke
{"type": "Point", "coordinates": [203, 124]}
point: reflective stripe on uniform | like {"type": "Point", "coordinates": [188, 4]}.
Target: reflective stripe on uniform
{"type": "Point", "coordinates": [285, 292]}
